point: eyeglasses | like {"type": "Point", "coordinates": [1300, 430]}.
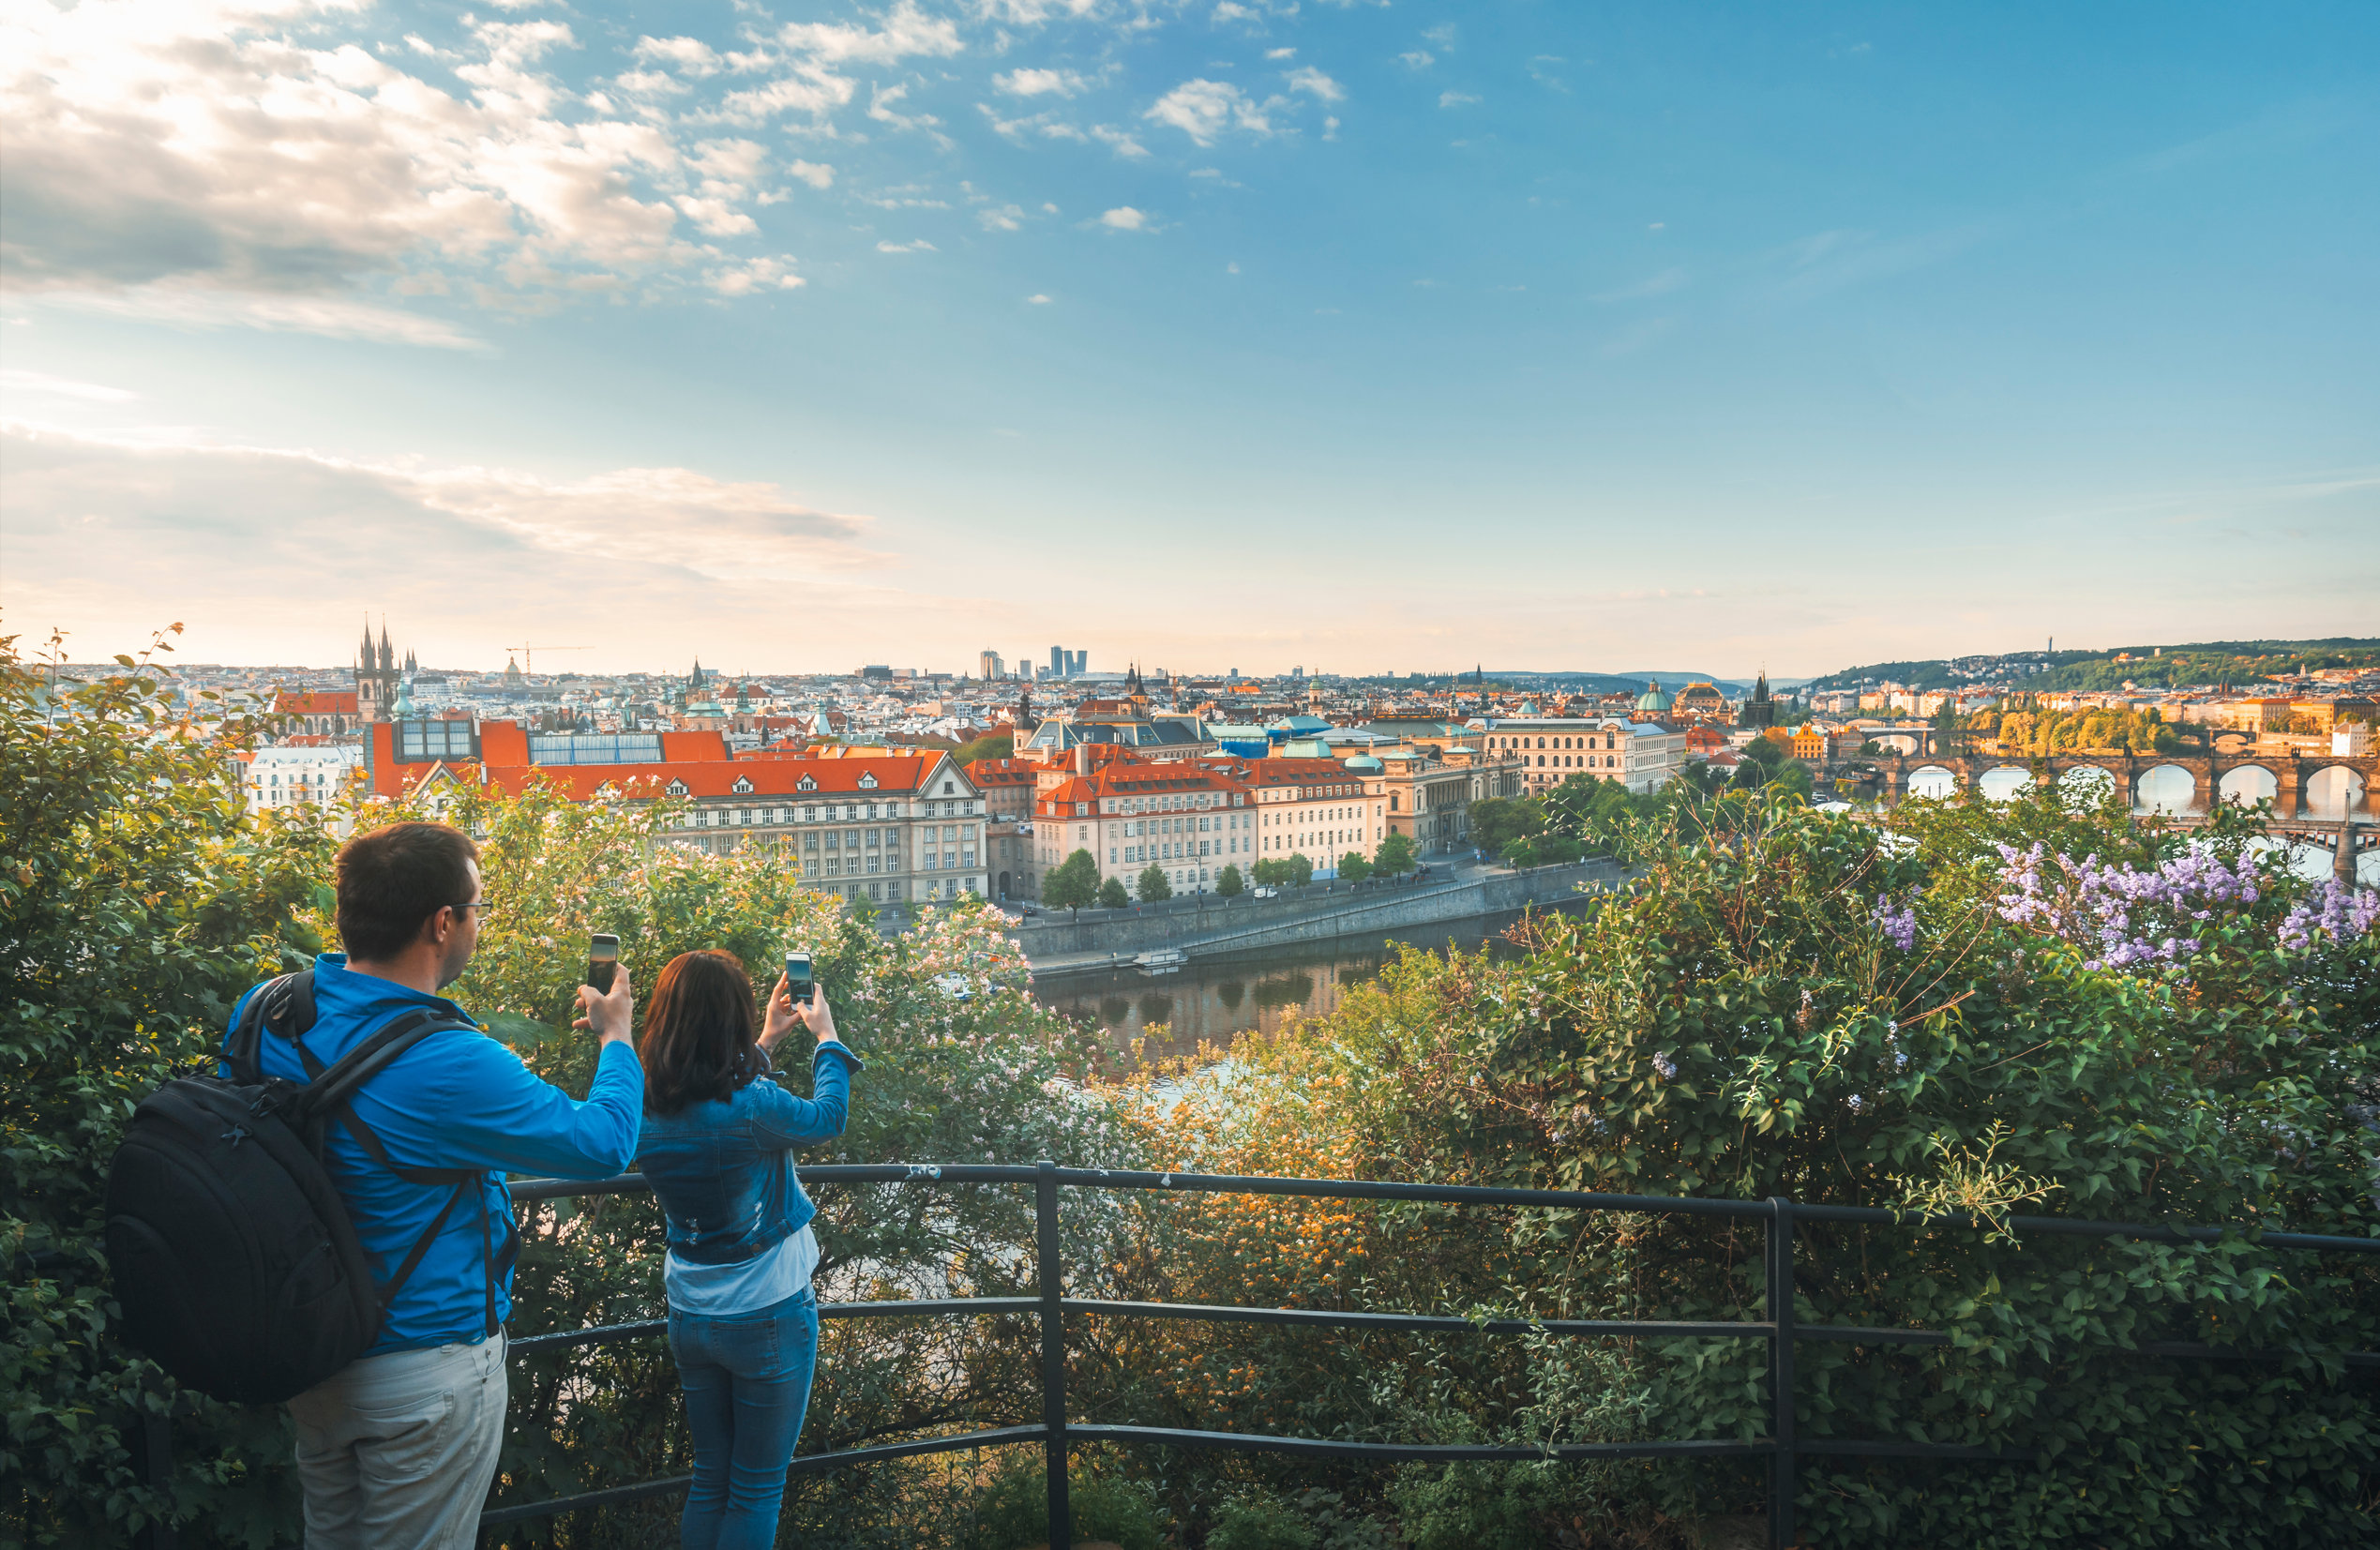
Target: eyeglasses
{"type": "Point", "coordinates": [482, 905]}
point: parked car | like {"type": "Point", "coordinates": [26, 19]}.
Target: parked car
{"type": "Point", "coordinates": [1266, 891]}
{"type": "Point", "coordinates": [1027, 911]}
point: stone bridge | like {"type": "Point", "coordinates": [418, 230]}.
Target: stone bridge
{"type": "Point", "coordinates": [2349, 829]}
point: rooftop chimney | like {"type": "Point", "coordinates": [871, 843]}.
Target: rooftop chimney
{"type": "Point", "coordinates": [1082, 758]}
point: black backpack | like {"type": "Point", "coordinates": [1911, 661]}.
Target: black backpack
{"type": "Point", "coordinates": [234, 1262]}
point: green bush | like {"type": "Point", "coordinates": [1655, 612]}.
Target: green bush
{"type": "Point", "coordinates": [1797, 1004]}
{"type": "Point", "coordinates": [137, 901]}
{"type": "Point", "coordinates": [1012, 1510]}
{"type": "Point", "coordinates": [1259, 1523]}
{"type": "Point", "coordinates": [1481, 1505]}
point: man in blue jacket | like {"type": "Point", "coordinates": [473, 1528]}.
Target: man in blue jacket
{"type": "Point", "coordinates": [396, 1452]}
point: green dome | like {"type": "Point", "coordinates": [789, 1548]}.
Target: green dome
{"type": "Point", "coordinates": [1652, 698]}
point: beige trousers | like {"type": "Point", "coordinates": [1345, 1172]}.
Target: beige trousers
{"type": "Point", "coordinates": [396, 1452]}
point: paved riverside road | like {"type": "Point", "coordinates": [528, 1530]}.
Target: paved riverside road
{"type": "Point", "coordinates": [1390, 911]}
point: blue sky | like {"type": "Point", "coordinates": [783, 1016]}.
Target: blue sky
{"type": "Point", "coordinates": [1365, 337]}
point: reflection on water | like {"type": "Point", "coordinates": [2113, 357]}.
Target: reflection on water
{"type": "Point", "coordinates": [1216, 1001]}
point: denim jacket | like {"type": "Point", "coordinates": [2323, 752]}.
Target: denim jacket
{"type": "Point", "coordinates": [724, 1169]}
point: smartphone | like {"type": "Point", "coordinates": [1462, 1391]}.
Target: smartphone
{"type": "Point", "coordinates": [797, 978]}
{"type": "Point", "coordinates": [603, 958]}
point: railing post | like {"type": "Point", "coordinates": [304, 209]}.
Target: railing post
{"type": "Point", "coordinates": [1053, 1354]}
{"type": "Point", "coordinates": [1782, 1471]}
{"type": "Point", "coordinates": [152, 1449]}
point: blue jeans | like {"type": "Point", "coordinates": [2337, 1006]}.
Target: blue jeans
{"type": "Point", "coordinates": [748, 1383]}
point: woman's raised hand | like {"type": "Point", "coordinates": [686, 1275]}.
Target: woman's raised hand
{"type": "Point", "coordinates": [781, 1018]}
{"type": "Point", "coordinates": [785, 1015]}
{"type": "Point", "coordinates": [611, 1015]}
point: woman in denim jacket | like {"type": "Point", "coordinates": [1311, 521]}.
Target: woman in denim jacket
{"type": "Point", "coordinates": [717, 1147]}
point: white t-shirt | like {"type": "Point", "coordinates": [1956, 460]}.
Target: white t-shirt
{"type": "Point", "coordinates": [747, 1286]}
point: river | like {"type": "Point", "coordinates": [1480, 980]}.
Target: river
{"type": "Point", "coordinates": [1215, 1001]}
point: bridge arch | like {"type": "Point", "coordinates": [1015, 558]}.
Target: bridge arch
{"type": "Point", "coordinates": [2081, 785]}
{"type": "Point", "coordinates": [2002, 782]}
{"type": "Point", "coordinates": [2246, 785]}
{"type": "Point", "coordinates": [1893, 740]}
{"type": "Point", "coordinates": [1934, 781]}
{"type": "Point", "coordinates": [2165, 788]}
{"type": "Point", "coordinates": [2335, 790]}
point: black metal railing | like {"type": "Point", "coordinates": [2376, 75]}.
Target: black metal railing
{"type": "Point", "coordinates": [1782, 1447]}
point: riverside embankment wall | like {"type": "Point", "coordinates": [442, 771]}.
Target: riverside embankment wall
{"type": "Point", "coordinates": [1213, 926]}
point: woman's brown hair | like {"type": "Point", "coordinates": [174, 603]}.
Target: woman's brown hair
{"type": "Point", "coordinates": [701, 1032]}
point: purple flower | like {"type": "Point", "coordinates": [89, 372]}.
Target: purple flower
{"type": "Point", "coordinates": [2343, 914]}
{"type": "Point", "coordinates": [1898, 922]}
{"type": "Point", "coordinates": [1665, 1067]}
{"type": "Point", "coordinates": [2129, 917]}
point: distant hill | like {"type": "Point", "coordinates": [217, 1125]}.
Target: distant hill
{"type": "Point", "coordinates": [1584, 682]}
{"type": "Point", "coordinates": [2199, 662]}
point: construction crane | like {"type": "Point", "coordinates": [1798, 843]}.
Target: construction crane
{"type": "Point", "coordinates": [528, 663]}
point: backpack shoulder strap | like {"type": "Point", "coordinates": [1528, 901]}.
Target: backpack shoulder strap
{"type": "Point", "coordinates": [329, 1088]}
{"type": "Point", "coordinates": [285, 1004]}
{"type": "Point", "coordinates": [328, 1095]}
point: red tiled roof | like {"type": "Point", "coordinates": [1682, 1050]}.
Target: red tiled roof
{"type": "Point", "coordinates": [899, 775]}
{"type": "Point", "coordinates": [1293, 772]}
{"type": "Point", "coordinates": [1135, 778]}
{"type": "Point", "coordinates": [987, 772]}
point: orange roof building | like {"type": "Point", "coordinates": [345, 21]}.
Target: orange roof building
{"type": "Point", "coordinates": [332, 713]}
{"type": "Point", "coordinates": [887, 829]}
{"type": "Point", "coordinates": [1192, 820]}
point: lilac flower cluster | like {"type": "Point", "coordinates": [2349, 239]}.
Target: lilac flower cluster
{"type": "Point", "coordinates": [2135, 919]}
{"type": "Point", "coordinates": [2343, 914]}
{"type": "Point", "coordinates": [1897, 920]}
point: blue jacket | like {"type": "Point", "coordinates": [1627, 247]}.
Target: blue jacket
{"type": "Point", "coordinates": [458, 1099]}
{"type": "Point", "coordinates": [724, 1169]}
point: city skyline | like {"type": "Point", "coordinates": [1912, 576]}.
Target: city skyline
{"type": "Point", "coordinates": [1365, 338]}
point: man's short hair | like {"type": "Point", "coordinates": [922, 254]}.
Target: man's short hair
{"type": "Point", "coordinates": [392, 879]}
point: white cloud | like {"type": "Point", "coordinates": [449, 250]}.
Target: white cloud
{"type": "Point", "coordinates": [181, 304]}
{"type": "Point", "coordinates": [1119, 140]}
{"type": "Point", "coordinates": [880, 107]}
{"type": "Point", "coordinates": [41, 383]}
{"type": "Point", "coordinates": [918, 246]}
{"type": "Point", "coordinates": [818, 175]}
{"type": "Point", "coordinates": [1418, 59]}
{"type": "Point", "coordinates": [688, 55]}
{"type": "Point", "coordinates": [1454, 99]}
{"type": "Point", "coordinates": [1232, 10]}
{"type": "Point", "coordinates": [1125, 219]}
{"type": "Point", "coordinates": [1204, 110]}
{"type": "Point", "coordinates": [906, 31]}
{"type": "Point", "coordinates": [1280, 54]}
{"type": "Point", "coordinates": [247, 542]}
{"type": "Point", "coordinates": [1007, 217]}
{"type": "Point", "coordinates": [1308, 79]}
{"type": "Point", "coordinates": [1442, 35]}
{"type": "Point", "coordinates": [1032, 82]}
{"type": "Point", "coordinates": [1037, 300]}
{"type": "Point", "coordinates": [754, 276]}
{"type": "Point", "coordinates": [242, 155]}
